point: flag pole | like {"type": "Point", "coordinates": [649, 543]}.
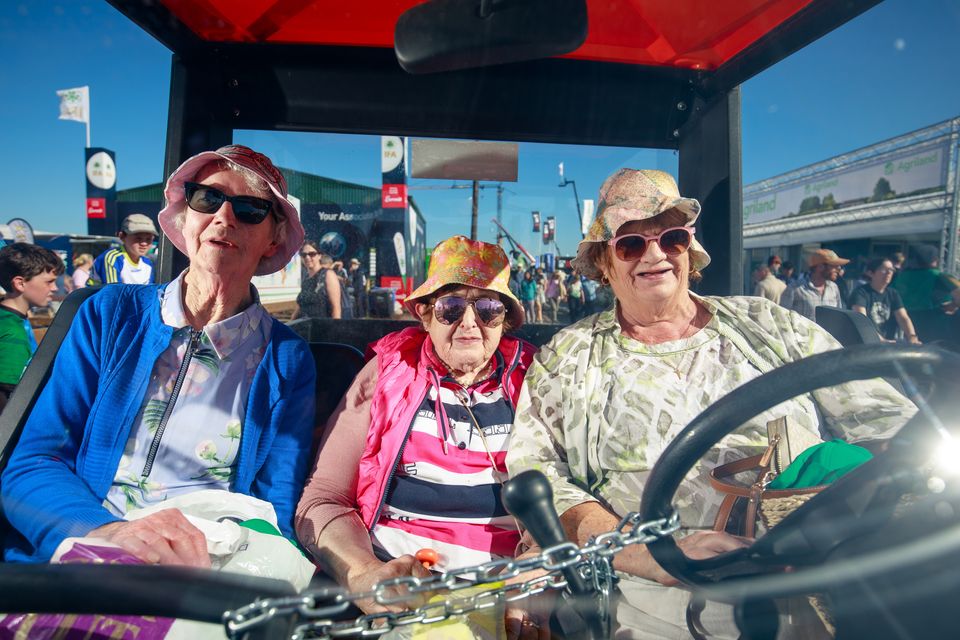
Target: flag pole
{"type": "Point", "coordinates": [88, 131]}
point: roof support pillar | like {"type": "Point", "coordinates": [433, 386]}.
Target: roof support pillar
{"type": "Point", "coordinates": [710, 172]}
{"type": "Point", "coordinates": [949, 252]}
{"type": "Point", "coordinates": [191, 128]}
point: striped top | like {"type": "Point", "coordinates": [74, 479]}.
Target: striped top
{"type": "Point", "coordinates": [444, 493]}
{"type": "Point", "coordinates": [116, 265]}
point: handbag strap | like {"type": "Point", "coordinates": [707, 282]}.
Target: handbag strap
{"type": "Point", "coordinates": [718, 474]}
{"type": "Point", "coordinates": [754, 493]}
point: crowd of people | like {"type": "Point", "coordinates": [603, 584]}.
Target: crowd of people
{"type": "Point", "coordinates": [168, 389]}
{"type": "Point", "coordinates": [541, 292]}
{"type": "Point", "coordinates": [35, 279]}
{"type": "Point", "coordinates": [907, 297]}
{"type": "Point", "coordinates": [329, 290]}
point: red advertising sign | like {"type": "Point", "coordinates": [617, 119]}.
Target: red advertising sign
{"type": "Point", "coordinates": [96, 207]}
{"type": "Point", "coordinates": [394, 196]}
{"type": "Point", "coordinates": [396, 283]}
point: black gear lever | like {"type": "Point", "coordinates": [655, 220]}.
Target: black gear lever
{"type": "Point", "coordinates": [529, 498]}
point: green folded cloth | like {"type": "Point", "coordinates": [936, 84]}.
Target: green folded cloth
{"type": "Point", "coordinates": [262, 526]}
{"type": "Point", "coordinates": [821, 464]}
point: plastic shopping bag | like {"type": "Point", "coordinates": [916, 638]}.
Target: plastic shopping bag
{"type": "Point", "coordinates": [242, 537]}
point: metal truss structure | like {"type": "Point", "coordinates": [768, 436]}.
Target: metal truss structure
{"type": "Point", "coordinates": [940, 209]}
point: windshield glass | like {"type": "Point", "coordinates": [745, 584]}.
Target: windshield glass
{"type": "Point", "coordinates": [830, 179]}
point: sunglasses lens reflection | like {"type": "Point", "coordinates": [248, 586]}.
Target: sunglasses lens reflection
{"type": "Point", "coordinates": [489, 311]}
{"type": "Point", "coordinates": [675, 241]}
{"type": "Point", "coordinates": [205, 199]}
{"type": "Point", "coordinates": [450, 309]}
{"type": "Point", "coordinates": [249, 209]}
{"type": "Point", "coordinates": [631, 247]}
{"type": "Point", "coordinates": [672, 242]}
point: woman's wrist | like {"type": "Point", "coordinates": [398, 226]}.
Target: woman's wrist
{"type": "Point", "coordinates": [357, 575]}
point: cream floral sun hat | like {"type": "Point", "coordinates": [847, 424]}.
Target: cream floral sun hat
{"type": "Point", "coordinates": [471, 263]}
{"type": "Point", "coordinates": [637, 194]}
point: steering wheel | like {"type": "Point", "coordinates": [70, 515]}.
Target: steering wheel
{"type": "Point", "coordinates": [856, 503]}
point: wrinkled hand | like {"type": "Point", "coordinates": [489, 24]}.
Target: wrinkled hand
{"type": "Point", "coordinates": [636, 559]}
{"type": "Point", "coordinates": [524, 623]}
{"type": "Point", "coordinates": [700, 545]}
{"type": "Point", "coordinates": [366, 577]}
{"type": "Point", "coordinates": [165, 537]}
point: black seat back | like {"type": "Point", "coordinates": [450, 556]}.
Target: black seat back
{"type": "Point", "coordinates": [847, 326]}
{"type": "Point", "coordinates": [21, 402]}
{"type": "Point", "coordinates": [337, 366]}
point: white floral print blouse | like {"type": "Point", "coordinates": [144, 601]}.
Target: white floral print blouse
{"type": "Point", "coordinates": [598, 408]}
{"type": "Point", "coordinates": [188, 431]}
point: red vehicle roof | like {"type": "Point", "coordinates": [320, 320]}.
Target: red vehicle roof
{"type": "Point", "coordinates": [693, 34]}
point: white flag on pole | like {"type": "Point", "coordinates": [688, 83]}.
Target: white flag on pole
{"type": "Point", "coordinates": [75, 104]}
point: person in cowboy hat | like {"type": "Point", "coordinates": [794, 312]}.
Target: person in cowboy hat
{"type": "Point", "coordinates": [606, 395]}
{"type": "Point", "coordinates": [820, 288]}
{"type": "Point", "coordinates": [414, 455]}
{"type": "Point", "coordinates": [164, 390]}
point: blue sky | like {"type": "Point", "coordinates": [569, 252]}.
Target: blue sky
{"type": "Point", "coordinates": [890, 71]}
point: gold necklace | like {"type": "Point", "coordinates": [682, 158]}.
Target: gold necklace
{"type": "Point", "coordinates": [683, 335]}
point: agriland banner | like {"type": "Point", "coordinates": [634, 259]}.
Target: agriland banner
{"type": "Point", "coordinates": [903, 173]}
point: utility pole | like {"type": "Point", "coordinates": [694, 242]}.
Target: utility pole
{"type": "Point", "coordinates": [476, 205]}
{"type": "Point", "coordinates": [564, 182]}
{"type": "Point", "coordinates": [499, 212]}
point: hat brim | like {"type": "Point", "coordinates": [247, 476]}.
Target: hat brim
{"type": "Point", "coordinates": [176, 203]}
{"type": "Point", "coordinates": [831, 263]}
{"type": "Point", "coordinates": [515, 313]}
{"type": "Point", "coordinates": [689, 207]}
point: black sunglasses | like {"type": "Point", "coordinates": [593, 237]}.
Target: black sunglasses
{"type": "Point", "coordinates": [206, 199]}
{"type": "Point", "coordinates": [450, 309]}
{"type": "Point", "coordinates": [632, 246]}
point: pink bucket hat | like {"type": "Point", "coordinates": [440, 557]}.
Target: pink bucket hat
{"type": "Point", "coordinates": [262, 167]}
{"type": "Point", "coordinates": [471, 263]}
{"type": "Point", "coordinates": [637, 194]}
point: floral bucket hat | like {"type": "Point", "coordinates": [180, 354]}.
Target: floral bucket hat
{"type": "Point", "coordinates": [637, 194]}
{"type": "Point", "coordinates": [263, 168]}
{"type": "Point", "coordinates": [470, 263]}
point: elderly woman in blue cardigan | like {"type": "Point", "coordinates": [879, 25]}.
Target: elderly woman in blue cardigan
{"type": "Point", "coordinates": [160, 391]}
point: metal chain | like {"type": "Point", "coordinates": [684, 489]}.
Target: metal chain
{"type": "Point", "coordinates": [322, 606]}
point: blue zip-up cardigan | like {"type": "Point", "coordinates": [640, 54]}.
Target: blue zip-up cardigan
{"type": "Point", "coordinates": [68, 454]}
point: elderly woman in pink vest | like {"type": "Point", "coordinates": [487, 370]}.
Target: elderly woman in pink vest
{"type": "Point", "coordinates": [413, 458]}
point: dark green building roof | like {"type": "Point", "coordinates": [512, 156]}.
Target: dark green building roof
{"type": "Point", "coordinates": [309, 188]}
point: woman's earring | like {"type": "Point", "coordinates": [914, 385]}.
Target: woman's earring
{"type": "Point", "coordinates": [604, 280]}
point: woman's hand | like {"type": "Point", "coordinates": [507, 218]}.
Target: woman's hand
{"type": "Point", "coordinates": [366, 577]}
{"type": "Point", "coordinates": [527, 624]}
{"type": "Point", "coordinates": [165, 537]}
{"type": "Point", "coordinates": [698, 545]}
{"type": "Point", "coordinates": [529, 619]}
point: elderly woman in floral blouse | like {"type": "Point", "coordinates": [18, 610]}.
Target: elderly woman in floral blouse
{"type": "Point", "coordinates": [160, 391]}
{"type": "Point", "coordinates": [606, 395]}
